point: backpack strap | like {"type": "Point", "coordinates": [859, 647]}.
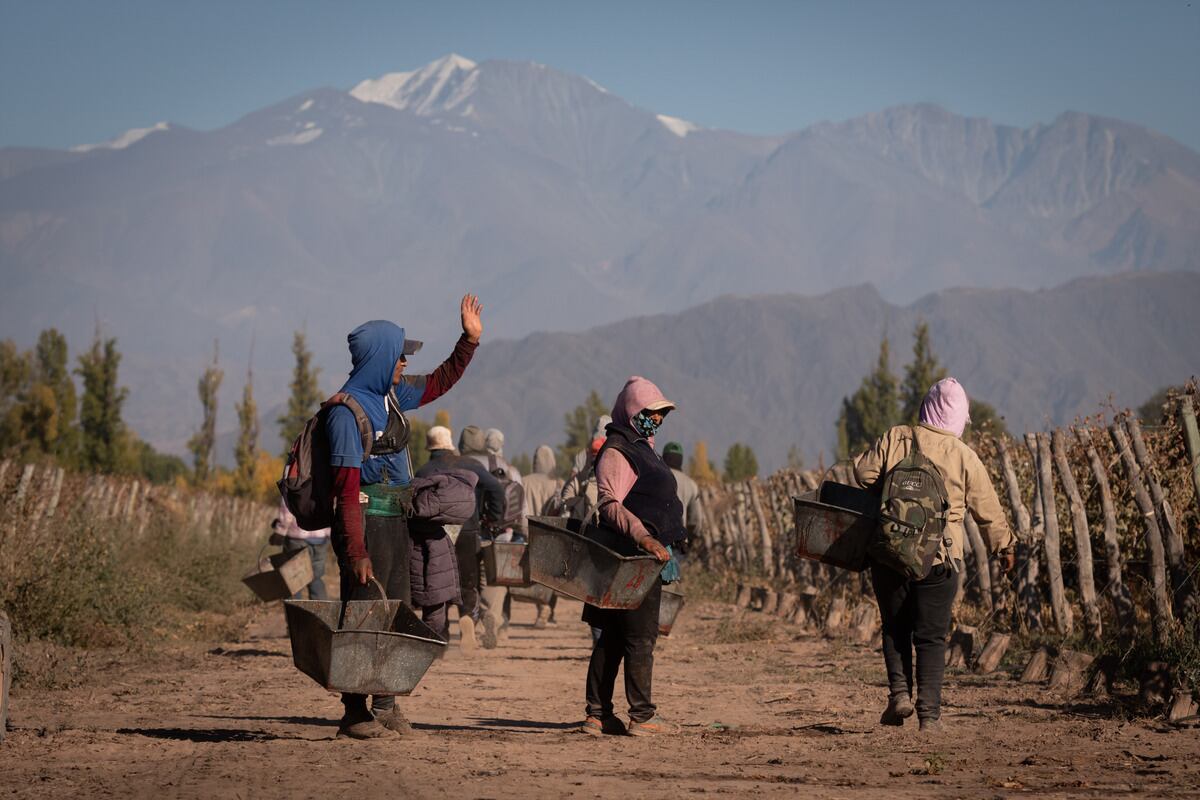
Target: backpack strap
{"type": "Point", "coordinates": [493, 464]}
{"type": "Point", "coordinates": [365, 429]}
{"type": "Point", "coordinates": [916, 445]}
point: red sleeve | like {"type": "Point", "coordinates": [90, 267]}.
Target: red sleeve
{"type": "Point", "coordinates": [438, 382]}
{"type": "Point", "coordinates": [349, 510]}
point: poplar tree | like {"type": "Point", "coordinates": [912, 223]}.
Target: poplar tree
{"type": "Point", "coordinates": [872, 409]}
{"type": "Point", "coordinates": [922, 373]}
{"type": "Point", "coordinates": [305, 397]}
{"type": "Point", "coordinates": [740, 462]}
{"type": "Point", "coordinates": [53, 374]}
{"type": "Point", "coordinates": [579, 424]}
{"type": "Point", "coordinates": [204, 441]}
{"type": "Point", "coordinates": [102, 433]}
{"type": "Point", "coordinates": [699, 467]}
{"type": "Point", "coordinates": [246, 452]}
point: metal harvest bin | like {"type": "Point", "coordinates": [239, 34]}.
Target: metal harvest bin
{"type": "Point", "coordinates": [533, 593]}
{"type": "Point", "coordinates": [669, 608]}
{"type": "Point", "coordinates": [280, 576]}
{"type": "Point", "coordinates": [361, 646]}
{"type": "Point", "coordinates": [592, 564]}
{"type": "Point", "coordinates": [506, 563]}
{"type": "Point", "coordinates": [836, 524]}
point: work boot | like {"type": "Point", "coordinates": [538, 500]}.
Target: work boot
{"type": "Point", "coordinates": [394, 720]}
{"type": "Point", "coordinates": [931, 725]}
{"type": "Point", "coordinates": [358, 727]}
{"type": "Point", "coordinates": [489, 630]}
{"type": "Point", "coordinates": [610, 725]}
{"type": "Point", "coordinates": [466, 635]}
{"type": "Point", "coordinates": [654, 726]}
{"type": "Point", "coordinates": [899, 708]}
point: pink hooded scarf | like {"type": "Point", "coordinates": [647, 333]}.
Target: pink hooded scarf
{"type": "Point", "coordinates": [638, 395]}
{"type": "Point", "coordinates": [946, 406]}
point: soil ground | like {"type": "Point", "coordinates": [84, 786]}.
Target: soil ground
{"type": "Point", "coordinates": [772, 718]}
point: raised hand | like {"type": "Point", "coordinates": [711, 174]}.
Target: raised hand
{"type": "Point", "coordinates": [470, 309]}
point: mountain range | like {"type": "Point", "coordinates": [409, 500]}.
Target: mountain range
{"type": "Point", "coordinates": [561, 204]}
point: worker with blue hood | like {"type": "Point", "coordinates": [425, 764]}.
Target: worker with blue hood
{"type": "Point", "coordinates": [370, 533]}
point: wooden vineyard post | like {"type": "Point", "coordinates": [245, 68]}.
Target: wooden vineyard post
{"type": "Point", "coordinates": [1083, 542]}
{"type": "Point", "coordinates": [5, 670]}
{"type": "Point", "coordinates": [1158, 563]}
{"type": "Point", "coordinates": [1181, 591]}
{"type": "Point", "coordinates": [1063, 618]}
{"type": "Point", "coordinates": [1191, 438]}
{"type": "Point", "coordinates": [764, 532]}
{"type": "Point", "coordinates": [1028, 598]}
{"type": "Point", "coordinates": [1029, 590]}
{"type": "Point", "coordinates": [983, 568]}
{"type": "Point", "coordinates": [1118, 592]}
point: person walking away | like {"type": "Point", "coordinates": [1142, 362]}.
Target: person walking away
{"type": "Point", "coordinates": [541, 498]}
{"type": "Point", "coordinates": [689, 493]}
{"type": "Point", "coordinates": [637, 498]}
{"type": "Point", "coordinates": [489, 504]}
{"type": "Point", "coordinates": [285, 531]}
{"type": "Point", "coordinates": [469, 549]}
{"type": "Point", "coordinates": [579, 494]}
{"type": "Point", "coordinates": [916, 613]}
{"type": "Point", "coordinates": [377, 547]}
{"type": "Point", "coordinates": [497, 604]}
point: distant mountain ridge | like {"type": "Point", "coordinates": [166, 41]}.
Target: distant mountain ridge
{"type": "Point", "coordinates": [561, 204]}
{"type": "Point", "coordinates": [771, 371]}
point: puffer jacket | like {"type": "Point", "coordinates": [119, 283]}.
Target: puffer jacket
{"type": "Point", "coordinates": [432, 566]}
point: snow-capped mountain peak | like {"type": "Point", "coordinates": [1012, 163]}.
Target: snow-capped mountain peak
{"type": "Point", "coordinates": [677, 126]}
{"type": "Point", "coordinates": [437, 87]}
{"type": "Point", "coordinates": [131, 136]}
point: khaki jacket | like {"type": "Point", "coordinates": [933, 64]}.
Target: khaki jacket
{"type": "Point", "coordinates": [968, 485]}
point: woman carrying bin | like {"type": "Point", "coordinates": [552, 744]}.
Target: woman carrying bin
{"type": "Point", "coordinates": [916, 613]}
{"type": "Point", "coordinates": [637, 497]}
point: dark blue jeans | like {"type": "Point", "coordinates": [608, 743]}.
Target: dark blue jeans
{"type": "Point", "coordinates": [916, 615]}
{"type": "Point", "coordinates": [316, 550]}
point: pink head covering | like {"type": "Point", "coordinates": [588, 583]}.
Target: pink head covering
{"type": "Point", "coordinates": [946, 406]}
{"type": "Point", "coordinates": [638, 395]}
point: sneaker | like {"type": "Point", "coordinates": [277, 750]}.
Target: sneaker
{"type": "Point", "coordinates": [931, 725]}
{"type": "Point", "coordinates": [899, 708]}
{"type": "Point", "coordinates": [610, 725]}
{"type": "Point", "coordinates": [364, 729]}
{"type": "Point", "coordinates": [395, 721]}
{"type": "Point", "coordinates": [466, 635]}
{"type": "Point", "coordinates": [654, 726]}
{"type": "Point", "coordinates": [489, 630]}
{"type": "Point", "coordinates": [542, 618]}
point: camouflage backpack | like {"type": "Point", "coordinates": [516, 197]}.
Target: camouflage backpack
{"type": "Point", "coordinates": [912, 515]}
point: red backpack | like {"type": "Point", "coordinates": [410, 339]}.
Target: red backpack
{"type": "Point", "coordinates": [307, 482]}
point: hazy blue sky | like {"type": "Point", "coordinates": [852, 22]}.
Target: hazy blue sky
{"type": "Point", "coordinates": [74, 72]}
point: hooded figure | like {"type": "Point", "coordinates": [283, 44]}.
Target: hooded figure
{"type": "Point", "coordinates": [916, 614]}
{"type": "Point", "coordinates": [541, 487]}
{"type": "Point", "coordinates": [689, 492]}
{"type": "Point", "coordinates": [637, 496]}
{"type": "Point", "coordinates": [373, 542]}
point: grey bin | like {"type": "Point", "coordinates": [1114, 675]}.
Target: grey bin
{"type": "Point", "coordinates": [280, 576]}
{"type": "Point", "coordinates": [589, 563]}
{"type": "Point", "coordinates": [669, 608]}
{"type": "Point", "coordinates": [506, 563]}
{"type": "Point", "coordinates": [533, 593]}
{"type": "Point", "coordinates": [836, 525]}
{"type": "Point", "coordinates": [361, 646]}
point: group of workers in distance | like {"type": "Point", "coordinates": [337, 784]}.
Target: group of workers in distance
{"type": "Point", "coordinates": [630, 488]}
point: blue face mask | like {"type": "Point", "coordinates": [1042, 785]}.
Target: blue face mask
{"type": "Point", "coordinates": [644, 424]}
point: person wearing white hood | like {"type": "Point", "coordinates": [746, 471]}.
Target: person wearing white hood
{"type": "Point", "coordinates": [638, 498]}
{"type": "Point", "coordinates": [541, 498]}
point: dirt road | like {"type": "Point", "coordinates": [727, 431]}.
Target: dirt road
{"type": "Point", "coordinates": [776, 718]}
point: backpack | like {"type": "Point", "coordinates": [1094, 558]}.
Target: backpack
{"type": "Point", "coordinates": [912, 515]}
{"type": "Point", "coordinates": [447, 498]}
{"type": "Point", "coordinates": [514, 496]}
{"type": "Point", "coordinates": [307, 482]}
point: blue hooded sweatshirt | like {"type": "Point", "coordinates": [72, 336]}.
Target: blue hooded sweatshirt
{"type": "Point", "coordinates": [375, 347]}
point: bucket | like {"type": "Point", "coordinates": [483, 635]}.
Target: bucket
{"type": "Point", "coordinates": [533, 593]}
{"type": "Point", "coordinates": [592, 564]}
{"type": "Point", "coordinates": [835, 525]}
{"type": "Point", "coordinates": [506, 563]}
{"type": "Point", "coordinates": [669, 608]}
{"type": "Point", "coordinates": [280, 576]}
{"type": "Point", "coordinates": [361, 646]}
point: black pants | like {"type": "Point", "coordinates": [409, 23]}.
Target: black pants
{"type": "Point", "coordinates": [467, 552]}
{"type": "Point", "coordinates": [388, 546]}
{"type": "Point", "coordinates": [916, 614]}
{"type": "Point", "coordinates": [629, 637]}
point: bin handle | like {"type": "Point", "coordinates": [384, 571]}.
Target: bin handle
{"type": "Point", "coordinates": [346, 605]}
